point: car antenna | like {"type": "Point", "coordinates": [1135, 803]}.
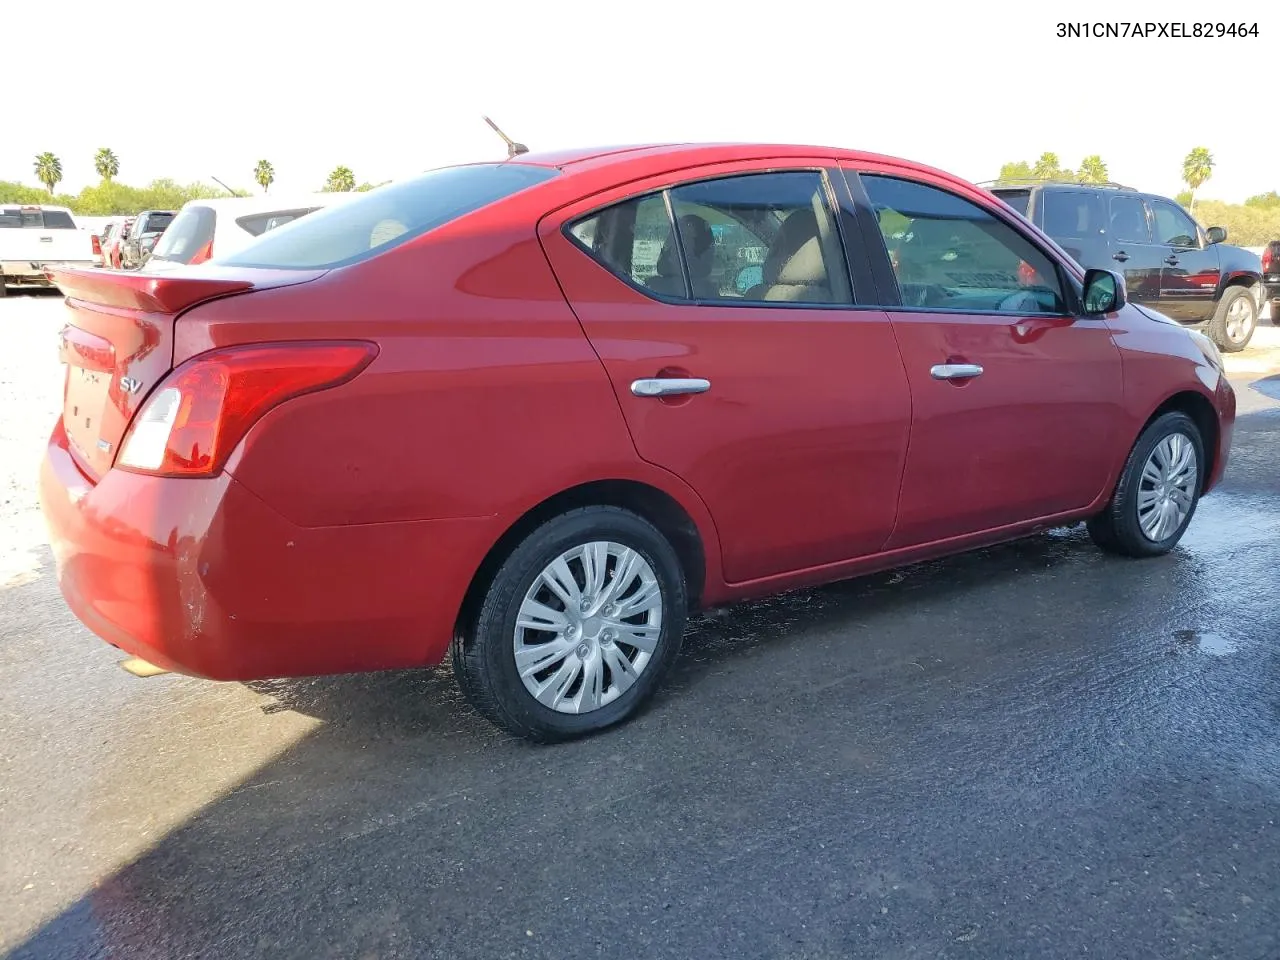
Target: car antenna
{"type": "Point", "coordinates": [234, 193]}
{"type": "Point", "coordinates": [513, 149]}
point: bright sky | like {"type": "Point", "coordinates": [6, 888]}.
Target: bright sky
{"type": "Point", "coordinates": [392, 87]}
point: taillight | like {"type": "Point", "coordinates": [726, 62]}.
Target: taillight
{"type": "Point", "coordinates": [1268, 258]}
{"type": "Point", "coordinates": [204, 253]}
{"type": "Point", "coordinates": [202, 410]}
{"type": "Point", "coordinates": [97, 246]}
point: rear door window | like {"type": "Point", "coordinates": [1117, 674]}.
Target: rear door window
{"type": "Point", "coordinates": [1129, 220]}
{"type": "Point", "coordinates": [386, 217]}
{"type": "Point", "coordinates": [768, 237]}
{"type": "Point", "coordinates": [58, 220]}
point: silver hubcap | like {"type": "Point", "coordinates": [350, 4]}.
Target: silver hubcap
{"type": "Point", "coordinates": [1239, 318]}
{"type": "Point", "coordinates": [1168, 485]}
{"type": "Point", "coordinates": [588, 627]}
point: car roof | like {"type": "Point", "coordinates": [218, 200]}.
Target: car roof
{"type": "Point", "coordinates": [640, 160]}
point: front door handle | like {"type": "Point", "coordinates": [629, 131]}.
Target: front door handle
{"type": "Point", "coordinates": [955, 371]}
{"type": "Point", "coordinates": [669, 386]}
{"type": "Point", "coordinates": [1171, 260]}
{"type": "Point", "coordinates": [1121, 256]}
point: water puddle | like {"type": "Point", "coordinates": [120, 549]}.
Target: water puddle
{"type": "Point", "coordinates": [1206, 642]}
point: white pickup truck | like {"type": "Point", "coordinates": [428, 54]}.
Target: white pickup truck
{"type": "Point", "coordinates": [33, 238]}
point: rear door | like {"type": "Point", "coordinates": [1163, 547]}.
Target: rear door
{"type": "Point", "coordinates": [738, 357]}
{"type": "Point", "coordinates": [1017, 400]}
{"type": "Point", "coordinates": [1133, 247]}
{"type": "Point", "coordinates": [1190, 268]}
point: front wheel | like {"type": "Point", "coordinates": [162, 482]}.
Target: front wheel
{"type": "Point", "coordinates": [577, 628]}
{"type": "Point", "coordinates": [1235, 320]}
{"type": "Point", "coordinates": [1158, 490]}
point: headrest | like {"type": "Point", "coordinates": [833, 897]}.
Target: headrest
{"type": "Point", "coordinates": [795, 258]}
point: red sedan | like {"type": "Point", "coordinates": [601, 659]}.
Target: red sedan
{"type": "Point", "coordinates": [533, 413]}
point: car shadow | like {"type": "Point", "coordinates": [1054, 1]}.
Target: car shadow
{"type": "Point", "coordinates": [869, 766]}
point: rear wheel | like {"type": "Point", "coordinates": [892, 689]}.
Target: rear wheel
{"type": "Point", "coordinates": [577, 628]}
{"type": "Point", "coordinates": [1235, 320]}
{"type": "Point", "coordinates": [1158, 490]}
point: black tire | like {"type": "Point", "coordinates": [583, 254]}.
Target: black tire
{"type": "Point", "coordinates": [1217, 328]}
{"type": "Point", "coordinates": [484, 654]}
{"type": "Point", "coordinates": [1117, 529]}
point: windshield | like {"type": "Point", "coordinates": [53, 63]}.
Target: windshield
{"type": "Point", "coordinates": [386, 217]}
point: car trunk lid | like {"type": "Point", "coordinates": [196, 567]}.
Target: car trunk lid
{"type": "Point", "coordinates": [117, 344]}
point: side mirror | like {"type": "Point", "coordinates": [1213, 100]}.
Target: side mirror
{"type": "Point", "coordinates": [1104, 292]}
{"type": "Point", "coordinates": [1216, 234]}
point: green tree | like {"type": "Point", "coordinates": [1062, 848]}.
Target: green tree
{"type": "Point", "coordinates": [1264, 200]}
{"type": "Point", "coordinates": [341, 180]}
{"type": "Point", "coordinates": [48, 170]}
{"type": "Point", "coordinates": [264, 174]}
{"type": "Point", "coordinates": [1093, 170]}
{"type": "Point", "coordinates": [1196, 169]}
{"type": "Point", "coordinates": [106, 163]}
{"type": "Point", "coordinates": [1017, 170]}
{"type": "Point", "coordinates": [1182, 198]}
{"type": "Point", "coordinates": [1048, 167]}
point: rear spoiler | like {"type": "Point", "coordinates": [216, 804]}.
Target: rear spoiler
{"type": "Point", "coordinates": [136, 291]}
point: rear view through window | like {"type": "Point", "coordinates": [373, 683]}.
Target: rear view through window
{"type": "Point", "coordinates": [36, 219]}
{"type": "Point", "coordinates": [383, 218]}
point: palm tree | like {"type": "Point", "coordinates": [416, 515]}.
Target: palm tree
{"type": "Point", "coordinates": [265, 174]}
{"type": "Point", "coordinates": [106, 163]}
{"type": "Point", "coordinates": [1093, 170]}
{"type": "Point", "coordinates": [341, 180]}
{"type": "Point", "coordinates": [1047, 167]}
{"type": "Point", "coordinates": [1196, 169]}
{"type": "Point", "coordinates": [48, 170]}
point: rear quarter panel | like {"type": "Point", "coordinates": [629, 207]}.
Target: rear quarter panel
{"type": "Point", "coordinates": [485, 399]}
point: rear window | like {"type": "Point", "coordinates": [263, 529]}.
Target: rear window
{"type": "Point", "coordinates": [384, 218]}
{"type": "Point", "coordinates": [157, 222]}
{"type": "Point", "coordinates": [17, 217]}
{"type": "Point", "coordinates": [1072, 214]}
{"type": "Point", "coordinates": [1020, 200]}
{"type": "Point", "coordinates": [259, 223]}
{"type": "Point", "coordinates": [188, 234]}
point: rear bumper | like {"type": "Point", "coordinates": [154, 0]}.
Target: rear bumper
{"type": "Point", "coordinates": [202, 577]}
{"type": "Point", "coordinates": [1271, 291]}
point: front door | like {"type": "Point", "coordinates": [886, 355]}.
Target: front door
{"type": "Point", "coordinates": [1016, 400]}
{"type": "Point", "coordinates": [1191, 271]}
{"type": "Point", "coordinates": [739, 359]}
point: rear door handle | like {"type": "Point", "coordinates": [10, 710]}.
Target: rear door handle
{"type": "Point", "coordinates": [955, 371]}
{"type": "Point", "coordinates": [669, 386]}
{"type": "Point", "coordinates": [1121, 256]}
{"type": "Point", "coordinates": [1171, 261]}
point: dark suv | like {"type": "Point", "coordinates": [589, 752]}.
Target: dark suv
{"type": "Point", "coordinates": [1169, 262]}
{"type": "Point", "coordinates": [142, 235]}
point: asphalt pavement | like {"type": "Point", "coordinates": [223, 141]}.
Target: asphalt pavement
{"type": "Point", "coordinates": [1032, 751]}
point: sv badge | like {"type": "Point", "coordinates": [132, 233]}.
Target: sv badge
{"type": "Point", "coordinates": [130, 384]}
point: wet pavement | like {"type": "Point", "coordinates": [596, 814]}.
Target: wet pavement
{"type": "Point", "coordinates": [1031, 751]}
